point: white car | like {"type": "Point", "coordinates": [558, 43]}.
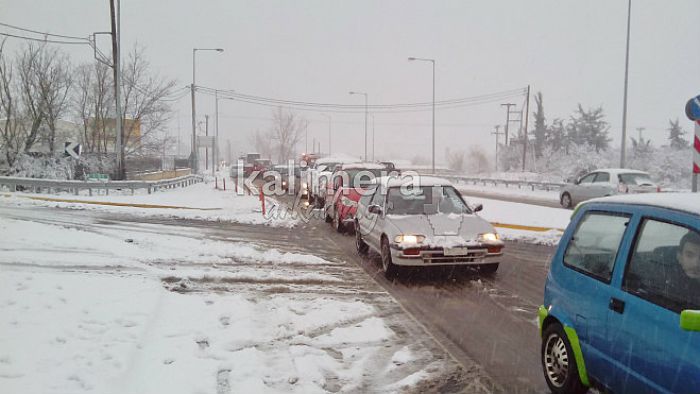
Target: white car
{"type": "Point", "coordinates": [318, 175]}
{"type": "Point", "coordinates": [426, 224]}
{"type": "Point", "coordinates": [606, 182]}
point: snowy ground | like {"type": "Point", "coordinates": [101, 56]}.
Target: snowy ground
{"type": "Point", "coordinates": [94, 304]}
{"type": "Point", "coordinates": [504, 213]}
{"type": "Point", "coordinates": [201, 201]}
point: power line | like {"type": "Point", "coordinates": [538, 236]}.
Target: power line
{"type": "Point", "coordinates": [45, 40]}
{"type": "Point", "coordinates": [42, 33]}
{"type": "Point", "coordinates": [343, 108]}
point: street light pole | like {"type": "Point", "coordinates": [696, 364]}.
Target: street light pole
{"type": "Point", "coordinates": [329, 133]}
{"type": "Point", "coordinates": [433, 63]}
{"type": "Point", "coordinates": [624, 99]}
{"type": "Point", "coordinates": [193, 153]}
{"type": "Point", "coordinates": [364, 94]}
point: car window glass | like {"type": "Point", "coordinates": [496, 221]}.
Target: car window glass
{"type": "Point", "coordinates": [602, 177]}
{"type": "Point", "coordinates": [451, 202]}
{"type": "Point", "coordinates": [594, 245]}
{"type": "Point", "coordinates": [588, 178]}
{"type": "Point", "coordinates": [635, 179]}
{"type": "Point", "coordinates": [665, 266]}
{"type": "Point", "coordinates": [367, 196]}
{"type": "Point", "coordinates": [378, 198]}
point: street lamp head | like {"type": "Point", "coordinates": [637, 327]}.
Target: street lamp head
{"type": "Point", "coordinates": [352, 93]}
{"type": "Point", "coordinates": [411, 58]}
{"type": "Point", "coordinates": [219, 49]}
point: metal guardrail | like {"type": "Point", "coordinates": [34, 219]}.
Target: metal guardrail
{"type": "Point", "coordinates": [52, 185]}
{"type": "Point", "coordinates": [507, 182]}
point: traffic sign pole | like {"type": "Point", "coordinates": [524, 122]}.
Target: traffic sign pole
{"type": "Point", "coordinates": [696, 156]}
{"type": "Point", "coordinates": [692, 111]}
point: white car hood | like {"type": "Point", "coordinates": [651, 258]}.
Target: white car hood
{"type": "Point", "coordinates": [443, 230]}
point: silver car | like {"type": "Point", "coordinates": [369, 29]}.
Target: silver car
{"type": "Point", "coordinates": [424, 223]}
{"type": "Point", "coordinates": [606, 182]}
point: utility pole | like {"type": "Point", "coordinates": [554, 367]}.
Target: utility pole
{"type": "Point", "coordinates": [507, 105]}
{"type": "Point", "coordinates": [206, 148]}
{"type": "Point", "coordinates": [119, 144]}
{"type": "Point", "coordinates": [372, 137]}
{"type": "Point", "coordinates": [306, 137]}
{"type": "Point", "coordinates": [640, 130]}
{"type": "Point", "coordinates": [366, 112]}
{"type": "Point", "coordinates": [624, 100]}
{"type": "Point", "coordinates": [497, 134]}
{"type": "Point", "coordinates": [216, 124]}
{"type": "Point", "coordinates": [527, 116]}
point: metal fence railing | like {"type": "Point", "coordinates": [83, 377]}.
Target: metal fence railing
{"type": "Point", "coordinates": [533, 185]}
{"type": "Point", "coordinates": [38, 185]}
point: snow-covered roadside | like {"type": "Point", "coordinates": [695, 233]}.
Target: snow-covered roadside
{"type": "Point", "coordinates": [511, 213]}
{"type": "Point", "coordinates": [116, 309]}
{"type": "Point", "coordinates": [207, 203]}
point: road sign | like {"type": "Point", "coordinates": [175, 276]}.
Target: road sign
{"type": "Point", "coordinates": [72, 149]}
{"type": "Point", "coordinates": [692, 109]}
{"type": "Point", "coordinates": [204, 141]}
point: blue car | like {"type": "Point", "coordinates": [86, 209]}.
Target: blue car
{"type": "Point", "coordinates": [622, 300]}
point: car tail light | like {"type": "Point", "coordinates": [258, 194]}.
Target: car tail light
{"type": "Point", "coordinates": [622, 188]}
{"type": "Point", "coordinates": [411, 252]}
{"type": "Point", "coordinates": [495, 249]}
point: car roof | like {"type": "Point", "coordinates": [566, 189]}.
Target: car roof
{"type": "Point", "coordinates": [336, 159]}
{"type": "Point", "coordinates": [397, 181]}
{"type": "Point", "coordinates": [364, 166]}
{"type": "Point", "coordinates": [687, 202]}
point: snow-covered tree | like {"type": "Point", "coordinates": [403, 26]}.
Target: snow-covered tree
{"type": "Point", "coordinates": [676, 135]}
{"type": "Point", "coordinates": [540, 125]}
{"type": "Point", "coordinates": [589, 127]}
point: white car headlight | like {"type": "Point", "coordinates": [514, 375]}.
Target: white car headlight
{"type": "Point", "coordinates": [409, 239]}
{"type": "Point", "coordinates": [489, 237]}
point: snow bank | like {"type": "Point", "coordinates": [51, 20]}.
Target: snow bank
{"type": "Point", "coordinates": [207, 203]}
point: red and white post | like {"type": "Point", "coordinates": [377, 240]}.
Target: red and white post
{"type": "Point", "coordinates": [696, 156]}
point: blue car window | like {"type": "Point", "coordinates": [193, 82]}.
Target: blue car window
{"type": "Point", "coordinates": [665, 266]}
{"type": "Point", "coordinates": [593, 248]}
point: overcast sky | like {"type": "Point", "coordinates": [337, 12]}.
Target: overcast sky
{"type": "Point", "coordinates": [571, 51]}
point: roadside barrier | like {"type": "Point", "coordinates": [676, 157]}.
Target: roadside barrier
{"type": "Point", "coordinates": [37, 185]}
{"type": "Point", "coordinates": [506, 182]}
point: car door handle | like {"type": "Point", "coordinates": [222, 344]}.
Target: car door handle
{"type": "Point", "coordinates": [617, 305]}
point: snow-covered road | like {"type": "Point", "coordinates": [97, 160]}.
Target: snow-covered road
{"type": "Point", "coordinates": [98, 302]}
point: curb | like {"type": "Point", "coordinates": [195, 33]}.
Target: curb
{"type": "Point", "coordinates": [526, 228]}
{"type": "Point", "coordinates": [114, 204]}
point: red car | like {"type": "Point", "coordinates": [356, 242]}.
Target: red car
{"type": "Point", "coordinates": [348, 183]}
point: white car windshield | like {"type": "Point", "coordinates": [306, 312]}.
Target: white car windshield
{"type": "Point", "coordinates": [429, 200]}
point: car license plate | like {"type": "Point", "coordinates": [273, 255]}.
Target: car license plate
{"type": "Point", "coordinates": [456, 251]}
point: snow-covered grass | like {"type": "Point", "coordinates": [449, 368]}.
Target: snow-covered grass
{"type": "Point", "coordinates": [503, 212]}
{"type": "Point", "coordinates": [206, 203]}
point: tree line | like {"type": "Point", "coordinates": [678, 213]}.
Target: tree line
{"type": "Point", "coordinates": [39, 86]}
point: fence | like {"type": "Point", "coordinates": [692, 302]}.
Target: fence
{"type": "Point", "coordinates": [37, 185]}
{"type": "Point", "coordinates": [506, 182]}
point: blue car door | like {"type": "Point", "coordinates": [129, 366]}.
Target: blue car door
{"type": "Point", "coordinates": [651, 353]}
{"type": "Point", "coordinates": [586, 271]}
